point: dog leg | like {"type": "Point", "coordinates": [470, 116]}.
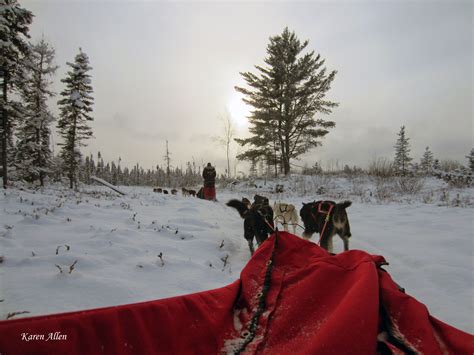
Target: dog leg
{"type": "Point", "coordinates": [330, 246]}
{"type": "Point", "coordinates": [294, 221]}
{"type": "Point", "coordinates": [250, 241]}
{"type": "Point", "coordinates": [285, 226]}
{"type": "Point", "coordinates": [326, 241]}
{"type": "Point", "coordinates": [307, 235]}
{"type": "Point", "coordinates": [346, 243]}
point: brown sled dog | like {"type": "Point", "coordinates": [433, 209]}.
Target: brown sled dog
{"type": "Point", "coordinates": [314, 216]}
{"type": "Point", "coordinates": [258, 221]}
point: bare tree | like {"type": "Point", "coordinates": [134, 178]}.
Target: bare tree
{"type": "Point", "coordinates": [226, 137]}
{"type": "Point", "coordinates": [167, 160]}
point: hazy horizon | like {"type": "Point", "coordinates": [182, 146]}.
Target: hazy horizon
{"type": "Point", "coordinates": [167, 71]}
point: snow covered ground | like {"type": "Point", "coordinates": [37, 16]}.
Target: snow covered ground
{"type": "Point", "coordinates": [116, 241]}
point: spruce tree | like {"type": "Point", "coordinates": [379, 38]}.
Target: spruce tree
{"type": "Point", "coordinates": [87, 170]}
{"type": "Point", "coordinates": [286, 95]}
{"type": "Point", "coordinates": [100, 166]}
{"type": "Point", "coordinates": [14, 27]}
{"type": "Point", "coordinates": [33, 155]}
{"type": "Point", "coordinates": [113, 174]}
{"type": "Point", "coordinates": [76, 106]}
{"type": "Point", "coordinates": [402, 150]}
{"type": "Point", "coordinates": [427, 161]}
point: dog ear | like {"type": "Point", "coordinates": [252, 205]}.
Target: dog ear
{"type": "Point", "coordinates": [345, 204]}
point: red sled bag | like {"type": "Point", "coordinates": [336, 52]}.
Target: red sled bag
{"type": "Point", "coordinates": [292, 298]}
{"type": "Point", "coordinates": [209, 193]}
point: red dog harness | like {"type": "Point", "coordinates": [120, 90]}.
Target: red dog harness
{"type": "Point", "coordinates": [327, 212]}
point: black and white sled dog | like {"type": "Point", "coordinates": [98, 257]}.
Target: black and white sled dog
{"type": "Point", "coordinates": [326, 218]}
{"type": "Point", "coordinates": [258, 221]}
{"type": "Point", "coordinates": [285, 213]}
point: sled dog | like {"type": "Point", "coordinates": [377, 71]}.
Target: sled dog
{"type": "Point", "coordinates": [326, 218]}
{"type": "Point", "coordinates": [258, 221]}
{"type": "Point", "coordinates": [285, 213]}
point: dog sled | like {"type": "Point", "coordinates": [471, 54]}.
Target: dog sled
{"type": "Point", "coordinates": [292, 297]}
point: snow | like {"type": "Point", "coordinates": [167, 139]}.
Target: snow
{"type": "Point", "coordinates": [116, 241]}
{"type": "Point", "coordinates": [76, 98]}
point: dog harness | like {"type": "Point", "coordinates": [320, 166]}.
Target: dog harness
{"type": "Point", "coordinates": [265, 220]}
{"type": "Point", "coordinates": [286, 208]}
{"type": "Point", "coordinates": [327, 211]}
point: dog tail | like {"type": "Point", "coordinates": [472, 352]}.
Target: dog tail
{"type": "Point", "coordinates": [239, 206]}
{"type": "Point", "coordinates": [345, 204]}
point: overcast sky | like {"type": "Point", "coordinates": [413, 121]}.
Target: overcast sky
{"type": "Point", "coordinates": [167, 71]}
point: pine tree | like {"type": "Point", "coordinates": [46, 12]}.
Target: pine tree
{"type": "Point", "coordinates": [427, 161]}
{"type": "Point", "coordinates": [470, 158]}
{"type": "Point", "coordinates": [100, 166]}
{"type": "Point", "coordinates": [286, 96]}
{"type": "Point", "coordinates": [14, 27]}
{"type": "Point", "coordinates": [33, 155]}
{"type": "Point", "coordinates": [402, 150]}
{"type": "Point", "coordinates": [120, 179]}
{"type": "Point", "coordinates": [87, 170]}
{"type": "Point", "coordinates": [76, 106]}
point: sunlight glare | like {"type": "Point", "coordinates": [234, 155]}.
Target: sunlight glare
{"type": "Point", "coordinates": [238, 110]}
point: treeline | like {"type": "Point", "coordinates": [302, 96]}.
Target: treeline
{"type": "Point", "coordinates": [402, 164]}
{"type": "Point", "coordinates": [114, 173]}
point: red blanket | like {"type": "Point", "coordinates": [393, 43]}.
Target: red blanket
{"type": "Point", "coordinates": [292, 297]}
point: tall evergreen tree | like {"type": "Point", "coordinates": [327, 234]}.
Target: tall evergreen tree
{"type": "Point", "coordinates": [87, 171]}
{"type": "Point", "coordinates": [402, 151]}
{"type": "Point", "coordinates": [33, 156]}
{"type": "Point", "coordinates": [14, 27]}
{"type": "Point", "coordinates": [427, 161]}
{"type": "Point", "coordinates": [76, 106]}
{"type": "Point", "coordinates": [100, 166]}
{"type": "Point", "coordinates": [286, 96]}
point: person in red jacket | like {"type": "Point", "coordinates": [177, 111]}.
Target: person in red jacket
{"type": "Point", "coordinates": [209, 175]}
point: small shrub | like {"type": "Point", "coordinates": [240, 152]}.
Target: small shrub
{"type": "Point", "coordinates": [357, 186]}
{"type": "Point", "coordinates": [383, 189]}
{"type": "Point", "coordinates": [428, 198]}
{"type": "Point", "coordinates": [444, 196]}
{"type": "Point", "coordinates": [160, 255]}
{"type": "Point", "coordinates": [13, 314]}
{"type": "Point", "coordinates": [459, 178]}
{"type": "Point", "coordinates": [381, 167]}
{"type": "Point", "coordinates": [409, 185]}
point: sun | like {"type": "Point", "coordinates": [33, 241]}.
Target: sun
{"type": "Point", "coordinates": [238, 110]}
